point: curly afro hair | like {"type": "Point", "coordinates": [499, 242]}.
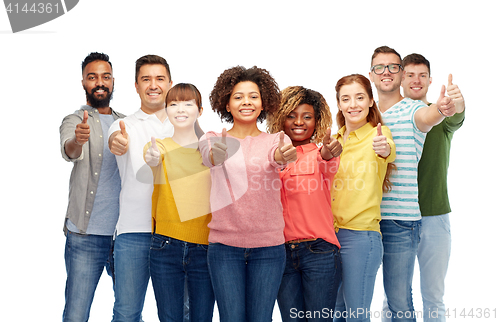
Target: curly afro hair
{"type": "Point", "coordinates": [269, 90]}
{"type": "Point", "coordinates": [291, 98]}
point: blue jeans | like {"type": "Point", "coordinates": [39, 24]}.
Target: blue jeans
{"type": "Point", "coordinates": [131, 275]}
{"type": "Point", "coordinates": [310, 281]}
{"type": "Point", "coordinates": [172, 263]}
{"type": "Point", "coordinates": [433, 257]}
{"type": "Point", "coordinates": [85, 257]}
{"type": "Point", "coordinates": [361, 253]}
{"type": "Point", "coordinates": [246, 281]}
{"type": "Point", "coordinates": [400, 239]}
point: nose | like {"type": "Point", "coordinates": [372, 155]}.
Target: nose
{"type": "Point", "coordinates": [153, 84]}
{"type": "Point", "coordinates": [298, 121]}
{"type": "Point", "coordinates": [99, 81]}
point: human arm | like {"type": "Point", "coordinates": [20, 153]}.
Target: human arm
{"type": "Point", "coordinates": [428, 116]}
{"type": "Point", "coordinates": [73, 147]}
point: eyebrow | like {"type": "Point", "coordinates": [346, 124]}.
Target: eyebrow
{"type": "Point", "coordinates": [106, 73]}
{"type": "Point", "coordinates": [253, 92]}
{"type": "Point", "coordinates": [149, 76]}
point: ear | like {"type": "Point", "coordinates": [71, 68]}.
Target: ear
{"type": "Point", "coordinates": [200, 111]}
{"type": "Point", "coordinates": [430, 80]}
{"type": "Point", "coordinates": [137, 87]}
{"type": "Point", "coordinates": [404, 75]}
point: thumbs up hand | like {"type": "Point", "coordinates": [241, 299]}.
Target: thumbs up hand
{"type": "Point", "coordinates": [82, 131]}
{"type": "Point", "coordinates": [445, 105]}
{"type": "Point", "coordinates": [285, 153]}
{"type": "Point", "coordinates": [380, 145]}
{"type": "Point", "coordinates": [331, 147]}
{"type": "Point", "coordinates": [218, 152]}
{"type": "Point", "coordinates": [455, 94]}
{"type": "Point", "coordinates": [153, 155]}
{"type": "Point", "coordinates": [118, 144]}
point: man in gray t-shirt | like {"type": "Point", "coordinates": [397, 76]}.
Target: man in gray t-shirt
{"type": "Point", "coordinates": [94, 190]}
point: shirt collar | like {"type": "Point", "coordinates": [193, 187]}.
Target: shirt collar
{"type": "Point", "coordinates": [360, 133]}
{"type": "Point", "coordinates": [141, 115]}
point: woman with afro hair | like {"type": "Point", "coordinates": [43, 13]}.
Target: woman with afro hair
{"type": "Point", "coordinates": [246, 254]}
{"type": "Point", "coordinates": [313, 267]}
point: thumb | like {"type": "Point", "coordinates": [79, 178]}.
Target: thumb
{"type": "Point", "coordinates": [122, 128]}
{"type": "Point", "coordinates": [328, 137]}
{"type": "Point", "coordinates": [85, 117]}
{"type": "Point", "coordinates": [224, 134]}
{"type": "Point", "coordinates": [450, 80]}
{"type": "Point", "coordinates": [153, 144]}
{"type": "Point", "coordinates": [282, 140]}
{"type": "Point", "coordinates": [443, 91]}
{"type": "Point", "coordinates": [379, 129]}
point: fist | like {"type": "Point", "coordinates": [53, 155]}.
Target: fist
{"type": "Point", "coordinates": [380, 145]}
{"type": "Point", "coordinates": [152, 156]}
{"type": "Point", "coordinates": [285, 153]}
{"type": "Point", "coordinates": [219, 150]}
{"type": "Point", "coordinates": [82, 131]}
{"type": "Point", "coordinates": [331, 147]}
{"type": "Point", "coordinates": [119, 142]}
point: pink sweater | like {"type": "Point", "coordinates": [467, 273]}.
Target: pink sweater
{"type": "Point", "coordinates": [245, 192]}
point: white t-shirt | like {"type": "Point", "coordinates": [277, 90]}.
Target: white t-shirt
{"type": "Point", "coordinates": [136, 175]}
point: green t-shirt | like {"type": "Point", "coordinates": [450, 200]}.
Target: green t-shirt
{"type": "Point", "coordinates": [433, 167]}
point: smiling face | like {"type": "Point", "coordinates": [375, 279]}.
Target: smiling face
{"type": "Point", "coordinates": [354, 103]}
{"type": "Point", "coordinates": [183, 114]}
{"type": "Point", "coordinates": [245, 103]}
{"type": "Point", "coordinates": [152, 85]}
{"type": "Point", "coordinates": [416, 81]}
{"type": "Point", "coordinates": [300, 124]}
{"type": "Point", "coordinates": [386, 82]}
{"type": "Point", "coordinates": [98, 83]}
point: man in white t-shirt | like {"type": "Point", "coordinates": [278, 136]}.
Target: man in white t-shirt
{"type": "Point", "coordinates": [408, 121]}
{"type": "Point", "coordinates": [127, 139]}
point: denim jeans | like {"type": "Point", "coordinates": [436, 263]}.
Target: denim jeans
{"type": "Point", "coordinates": [361, 253]}
{"type": "Point", "coordinates": [85, 257]}
{"type": "Point", "coordinates": [400, 239]}
{"type": "Point", "coordinates": [131, 275]}
{"type": "Point", "coordinates": [172, 263]}
{"type": "Point", "coordinates": [433, 256]}
{"type": "Point", "coordinates": [246, 281]}
{"type": "Point", "coordinates": [310, 281]}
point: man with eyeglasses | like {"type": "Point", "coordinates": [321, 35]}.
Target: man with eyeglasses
{"type": "Point", "coordinates": [408, 121]}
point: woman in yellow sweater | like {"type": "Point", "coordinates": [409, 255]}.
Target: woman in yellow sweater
{"type": "Point", "coordinates": [179, 216]}
{"type": "Point", "coordinates": [356, 192]}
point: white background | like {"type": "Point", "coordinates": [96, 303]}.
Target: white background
{"type": "Point", "coordinates": [311, 44]}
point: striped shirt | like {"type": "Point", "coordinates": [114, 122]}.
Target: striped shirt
{"type": "Point", "coordinates": [401, 202]}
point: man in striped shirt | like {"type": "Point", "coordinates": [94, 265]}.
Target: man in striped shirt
{"type": "Point", "coordinates": [408, 121]}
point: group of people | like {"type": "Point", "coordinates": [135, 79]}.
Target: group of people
{"type": "Point", "coordinates": [302, 214]}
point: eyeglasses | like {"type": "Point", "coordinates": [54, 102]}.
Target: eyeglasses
{"type": "Point", "coordinates": [392, 68]}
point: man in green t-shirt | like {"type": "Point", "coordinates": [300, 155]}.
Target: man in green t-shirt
{"type": "Point", "coordinates": [435, 243]}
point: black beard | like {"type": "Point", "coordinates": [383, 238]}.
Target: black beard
{"type": "Point", "coordinates": [99, 102]}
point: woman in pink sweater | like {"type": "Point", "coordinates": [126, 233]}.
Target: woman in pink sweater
{"type": "Point", "coordinates": [313, 267]}
{"type": "Point", "coordinates": [246, 254]}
